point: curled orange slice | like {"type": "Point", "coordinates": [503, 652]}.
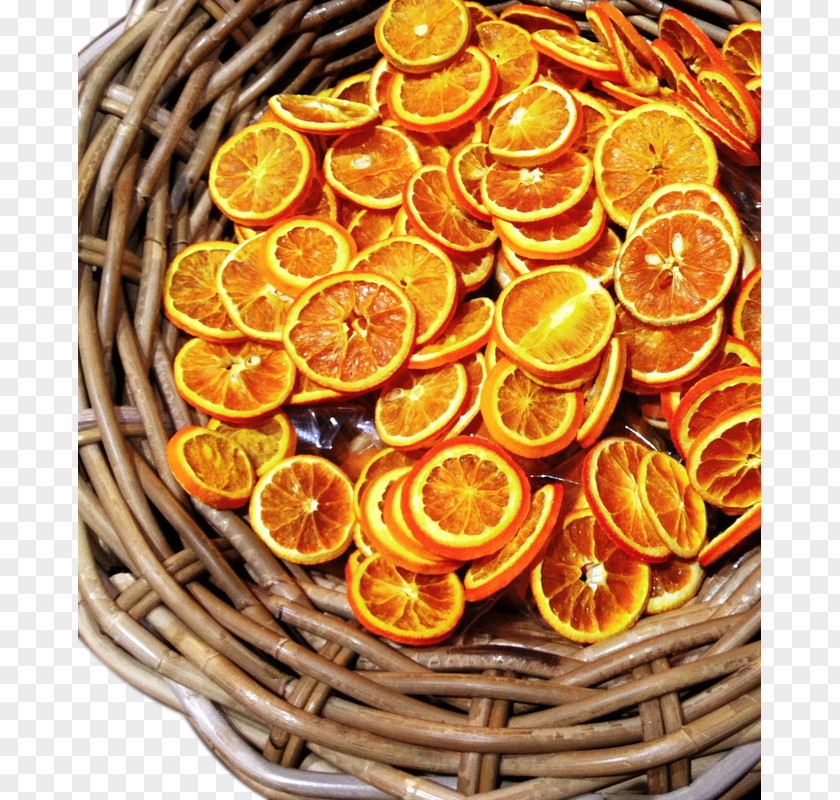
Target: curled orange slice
{"type": "Point", "coordinates": [582, 55]}
{"type": "Point", "coordinates": [747, 523]}
{"type": "Point", "coordinates": [746, 314]}
{"type": "Point", "coordinates": [309, 114]}
{"type": "Point", "coordinates": [266, 442]}
{"type": "Point", "coordinates": [467, 332]}
{"type": "Point", "coordinates": [600, 400]}
{"type": "Point", "coordinates": [673, 584]}
{"type": "Point", "coordinates": [510, 48]}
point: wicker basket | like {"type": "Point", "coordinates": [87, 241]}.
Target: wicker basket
{"type": "Point", "coordinates": [187, 604]}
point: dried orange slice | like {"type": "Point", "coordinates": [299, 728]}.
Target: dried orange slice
{"type": "Point", "coordinates": [385, 460]}
{"type": "Point", "coordinates": [600, 400]}
{"type": "Point", "coordinates": [191, 301]}
{"type": "Point", "coordinates": [323, 115]}
{"type": "Point", "coordinates": [537, 18]}
{"type": "Point", "coordinates": [661, 355]}
{"type": "Point", "coordinates": [432, 209]}
{"type": "Point", "coordinates": [732, 96]}
{"type": "Point", "coordinates": [467, 332]}
{"type": "Point", "coordinates": [529, 194]}
{"type": "Point", "coordinates": [418, 37]}
{"type": "Point", "coordinates": [473, 269]}
{"type": "Point", "coordinates": [306, 391]}
{"type": "Point", "coordinates": [585, 587]}
{"type": "Point", "coordinates": [402, 605]}
{"type": "Point", "coordinates": [754, 88]}
{"type": "Point", "coordinates": [211, 467]}
{"type": "Point", "coordinates": [673, 506]}
{"type": "Point", "coordinates": [302, 509]}
{"type": "Point", "coordinates": [596, 117]}
{"type": "Point", "coordinates": [370, 167]}
{"type": "Point", "coordinates": [233, 382]}
{"type": "Point", "coordinates": [465, 498]}
{"type": "Point", "coordinates": [356, 89]}
{"type": "Point", "coordinates": [416, 405]}
{"type": "Point", "coordinates": [695, 48]}
{"type": "Point", "coordinates": [353, 560]}
{"type": "Point", "coordinates": [676, 267]}
{"type": "Point", "coordinates": [350, 331]}
{"type": "Point", "coordinates": [261, 173]}
{"type": "Point", "coordinates": [370, 225]}
{"type": "Point", "coordinates": [266, 443]}
{"type": "Point", "coordinates": [746, 314]}
{"type": "Point", "coordinates": [673, 584]}
{"type": "Point", "coordinates": [611, 473]}
{"type": "Point", "coordinates": [554, 72]}
{"type": "Point", "coordinates": [430, 150]}
{"type": "Point", "coordinates": [536, 126]}
{"type": "Point", "coordinates": [630, 38]}
{"type": "Point", "coordinates": [490, 574]}
{"type": "Point", "coordinates": [379, 86]}
{"type": "Point", "coordinates": [475, 365]}
{"type": "Point", "coordinates": [747, 523]}
{"type": "Point", "coordinates": [464, 172]}
{"type": "Point", "coordinates": [525, 417]}
{"type": "Point", "coordinates": [584, 56]}
{"type": "Point", "coordinates": [645, 149]}
{"type": "Point", "coordinates": [724, 462]}
{"type": "Point", "coordinates": [553, 320]}
{"type": "Point", "coordinates": [446, 98]}
{"type": "Point", "coordinates": [299, 250]}
{"type": "Point", "coordinates": [423, 271]}
{"type": "Point", "coordinates": [510, 48]}
{"type": "Point", "coordinates": [741, 51]}
{"type": "Point", "coordinates": [479, 13]}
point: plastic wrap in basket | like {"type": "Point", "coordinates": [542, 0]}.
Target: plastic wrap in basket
{"type": "Point", "coordinates": [264, 657]}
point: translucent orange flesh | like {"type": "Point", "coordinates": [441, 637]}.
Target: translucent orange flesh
{"type": "Point", "coordinates": [533, 120]}
{"type": "Point", "coordinates": [416, 31]}
{"type": "Point", "coordinates": [218, 463]}
{"type": "Point", "coordinates": [510, 48]}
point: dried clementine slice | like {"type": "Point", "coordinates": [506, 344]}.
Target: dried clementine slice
{"type": "Point", "coordinates": [302, 509]}
{"type": "Point", "coordinates": [630, 37]}
{"type": "Point", "coordinates": [404, 606]}
{"type": "Point", "coordinates": [490, 574]}
{"type": "Point", "coordinates": [475, 366]}
{"type": "Point", "coordinates": [746, 314]}
{"type": "Point", "coordinates": [553, 320]}
{"type": "Point", "coordinates": [355, 88]}
{"type": "Point", "coordinates": [527, 418]}
{"type": "Point", "coordinates": [673, 584]}
{"type": "Point", "coordinates": [211, 467]}
{"type": "Point", "coordinates": [584, 56]}
{"type": "Point", "coordinates": [430, 150]}
{"type": "Point", "coordinates": [695, 48]}
{"type": "Point", "coordinates": [645, 149]}
{"type": "Point", "coordinates": [747, 523]}
{"type": "Point", "coordinates": [724, 462]}
{"type": "Point", "coordinates": [473, 269]}
{"type": "Point", "coordinates": [536, 126]}
{"type": "Point", "coordinates": [510, 48]}
{"type": "Point", "coordinates": [266, 443]}
{"type": "Point", "coordinates": [350, 331]}
{"type": "Point", "coordinates": [261, 173]}
{"type": "Point", "coordinates": [191, 301]}
{"type": "Point", "coordinates": [671, 65]}
{"type": "Point", "coordinates": [446, 98]}
{"type": "Point", "coordinates": [732, 96]}
{"type": "Point", "coordinates": [467, 332]}
{"type": "Point", "coordinates": [600, 400]}
{"type": "Point", "coordinates": [741, 51]}
{"type": "Point", "coordinates": [323, 115]}
{"type": "Point", "coordinates": [306, 391]}
{"type": "Point", "coordinates": [416, 36]}
{"type": "Point", "coordinates": [432, 209]}
{"type": "Point", "coordinates": [370, 225]}
{"type": "Point", "coordinates": [370, 167]}
{"type": "Point", "coordinates": [529, 194]}
{"type": "Point", "coordinates": [676, 267]}
{"type": "Point", "coordinates": [537, 18]}
{"type": "Point", "coordinates": [596, 117]}
{"type": "Point", "coordinates": [379, 86]}
{"type": "Point", "coordinates": [465, 498]}
{"type": "Point", "coordinates": [611, 472]}
{"type": "Point", "coordinates": [385, 460]}
{"type": "Point", "coordinates": [585, 587]}
{"type": "Point", "coordinates": [423, 271]}
{"type": "Point", "coordinates": [479, 13]}
{"type": "Point", "coordinates": [554, 72]}
{"type": "Point", "coordinates": [464, 172]}
{"type": "Point", "coordinates": [233, 382]}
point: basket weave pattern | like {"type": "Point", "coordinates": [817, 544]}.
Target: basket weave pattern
{"type": "Point", "coordinates": [189, 606]}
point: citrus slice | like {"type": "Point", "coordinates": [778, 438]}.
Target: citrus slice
{"type": "Point", "coordinates": [423, 271]}
{"type": "Point", "coordinates": [265, 444]}
{"type": "Point", "coordinates": [673, 506]}
{"type": "Point", "coordinates": [595, 119]}
{"type": "Point", "coordinates": [754, 88]}
{"type": "Point", "coordinates": [741, 51]}
{"type": "Point", "coordinates": [510, 48]}
{"type": "Point", "coordinates": [676, 267]}
{"type": "Point", "coordinates": [585, 587]}
{"type": "Point", "coordinates": [402, 605]}
{"type": "Point", "coordinates": [661, 355]}
{"type": "Point", "coordinates": [370, 225]}
{"type": "Point", "coordinates": [260, 173]}
{"type": "Point", "coordinates": [475, 366]}
{"type": "Point", "coordinates": [379, 87]}
{"type": "Point", "coordinates": [622, 94]}
{"type": "Point", "coordinates": [528, 194]}
{"type": "Point", "coordinates": [306, 391]}
{"type": "Point", "coordinates": [432, 209]}
{"type": "Point", "coordinates": [695, 48]}
{"type": "Point", "coordinates": [446, 98]}
{"type": "Point", "coordinates": [353, 560]}
{"type": "Point", "coordinates": [370, 167]}
{"type": "Point", "coordinates": [473, 269]}
{"type": "Point", "coordinates": [430, 150]}
{"type": "Point", "coordinates": [673, 584]}
{"type": "Point", "coordinates": [350, 331]}
{"type": "Point", "coordinates": [537, 18]}
{"type": "Point", "coordinates": [490, 574]}
{"type": "Point", "coordinates": [415, 405]}
{"type": "Point", "coordinates": [716, 394]}
{"type": "Point", "coordinates": [465, 498]}
{"type": "Point", "coordinates": [416, 36]}
{"type": "Point", "coordinates": [233, 382]}
{"type": "Point", "coordinates": [302, 509]}
{"type": "Point", "coordinates": [323, 115]}
{"type": "Point", "coordinates": [529, 419]}
{"type": "Point", "coordinates": [732, 96]}
{"type": "Point", "coordinates": [554, 72]}
{"type": "Point", "coordinates": [479, 13]}
{"type": "Point", "coordinates": [355, 88]}
{"type": "Point", "coordinates": [385, 460]}
{"type": "Point", "coordinates": [467, 332]}
{"type": "Point", "coordinates": [464, 172]}
{"type": "Point", "coordinates": [584, 56]}
{"type": "Point", "coordinates": [630, 38]}
{"type": "Point", "coordinates": [746, 314]}
{"type": "Point", "coordinates": [645, 149]}
{"type": "Point", "coordinates": [536, 126]}
{"type": "Point", "coordinates": [211, 467]}
{"type": "Point", "coordinates": [724, 462]}
{"type": "Point", "coordinates": [611, 473]}
{"type": "Point", "coordinates": [747, 523]}
{"type": "Point", "coordinates": [600, 400]}
{"type": "Point", "coordinates": [553, 320]}
{"type": "Point", "coordinates": [299, 250]}
{"type": "Point", "coordinates": [191, 301]}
